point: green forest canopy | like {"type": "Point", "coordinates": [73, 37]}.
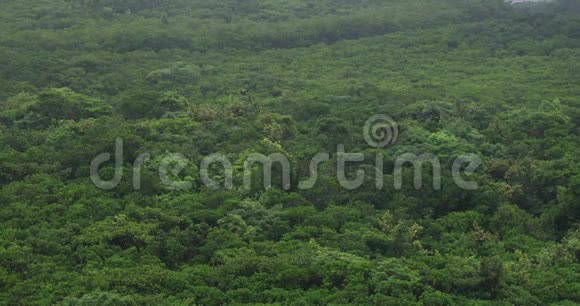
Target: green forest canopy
{"type": "Point", "coordinates": [296, 77]}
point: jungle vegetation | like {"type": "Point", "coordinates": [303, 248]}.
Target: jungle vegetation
{"type": "Point", "coordinates": [296, 77]}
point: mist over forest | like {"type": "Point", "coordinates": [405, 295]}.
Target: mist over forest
{"type": "Point", "coordinates": [304, 152]}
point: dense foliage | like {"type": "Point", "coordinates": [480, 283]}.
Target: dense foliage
{"type": "Point", "coordinates": [297, 77]}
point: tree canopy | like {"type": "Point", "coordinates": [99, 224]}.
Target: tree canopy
{"type": "Point", "coordinates": [294, 78]}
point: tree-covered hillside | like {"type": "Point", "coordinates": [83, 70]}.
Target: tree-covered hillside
{"type": "Point", "coordinates": [179, 80]}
